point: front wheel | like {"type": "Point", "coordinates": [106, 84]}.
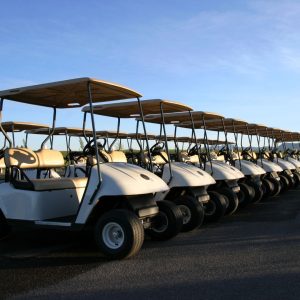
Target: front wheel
{"type": "Point", "coordinates": [233, 200]}
{"type": "Point", "coordinates": [268, 187]}
{"type": "Point", "coordinates": [277, 186]}
{"type": "Point", "coordinates": [168, 223]}
{"type": "Point", "coordinates": [215, 208]}
{"type": "Point", "coordinates": [297, 179]}
{"type": "Point", "coordinates": [246, 194]}
{"type": "Point", "coordinates": [258, 191]}
{"type": "Point", "coordinates": [119, 234]}
{"type": "Point", "coordinates": [291, 180]}
{"type": "Point", "coordinates": [192, 212]}
{"type": "Point", "coordinates": [284, 183]}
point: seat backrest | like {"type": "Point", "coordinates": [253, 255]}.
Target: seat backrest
{"type": "Point", "coordinates": [221, 157]}
{"type": "Point", "coordinates": [50, 159]}
{"type": "Point", "coordinates": [213, 155]}
{"type": "Point", "coordinates": [157, 159]}
{"type": "Point", "coordinates": [22, 158]}
{"type": "Point", "coordinates": [118, 156]}
{"type": "Point", "coordinates": [25, 158]}
{"type": "Point", "coordinates": [184, 157]}
{"type": "Point", "coordinates": [2, 163]}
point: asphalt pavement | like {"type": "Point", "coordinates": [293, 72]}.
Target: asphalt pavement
{"type": "Point", "coordinates": [254, 254]}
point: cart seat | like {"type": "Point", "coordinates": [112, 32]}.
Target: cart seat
{"type": "Point", "coordinates": [24, 158]}
{"type": "Point", "coordinates": [2, 163]}
{"type": "Point", "coordinates": [47, 184]}
{"type": "Point", "coordinates": [118, 156]}
{"type": "Point", "coordinates": [184, 157]}
{"type": "Point", "coordinates": [157, 159]}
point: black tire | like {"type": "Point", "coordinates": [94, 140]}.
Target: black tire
{"type": "Point", "coordinates": [297, 179]}
{"type": "Point", "coordinates": [268, 187]}
{"type": "Point", "coordinates": [192, 212]}
{"type": "Point", "coordinates": [4, 227]}
{"type": "Point", "coordinates": [284, 183]}
{"type": "Point", "coordinates": [277, 186]}
{"type": "Point", "coordinates": [119, 220]}
{"type": "Point", "coordinates": [215, 208]}
{"type": "Point", "coordinates": [258, 191]}
{"type": "Point", "coordinates": [232, 198]}
{"type": "Point", "coordinates": [245, 195]}
{"type": "Point", "coordinates": [291, 180]}
{"type": "Point", "coordinates": [168, 223]}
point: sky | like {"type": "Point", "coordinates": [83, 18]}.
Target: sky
{"type": "Point", "coordinates": [238, 58]}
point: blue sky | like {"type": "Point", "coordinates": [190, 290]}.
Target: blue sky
{"type": "Point", "coordinates": [237, 58]}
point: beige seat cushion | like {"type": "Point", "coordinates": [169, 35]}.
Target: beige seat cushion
{"type": "Point", "coordinates": [46, 184]}
{"type": "Point", "coordinates": [118, 156]}
{"type": "Point", "coordinates": [183, 156]}
{"type": "Point", "coordinates": [22, 158]}
{"type": "Point", "coordinates": [50, 158]}
{"type": "Point", "coordinates": [157, 159]}
{"type": "Point", "coordinates": [2, 163]}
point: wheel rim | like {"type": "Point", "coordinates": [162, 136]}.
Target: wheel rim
{"type": "Point", "coordinates": [186, 214]}
{"type": "Point", "coordinates": [113, 235]}
{"type": "Point", "coordinates": [161, 222]}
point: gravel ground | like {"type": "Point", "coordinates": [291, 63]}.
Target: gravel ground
{"type": "Point", "coordinates": [254, 254]}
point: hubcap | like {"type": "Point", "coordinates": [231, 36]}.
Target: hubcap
{"type": "Point", "coordinates": [113, 235]}
{"type": "Point", "coordinates": [186, 214]}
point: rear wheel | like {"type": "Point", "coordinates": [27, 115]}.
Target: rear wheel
{"type": "Point", "coordinates": [215, 208]}
{"type": "Point", "coordinates": [192, 212]}
{"type": "Point", "coordinates": [246, 194]}
{"type": "Point", "coordinates": [119, 234]}
{"type": "Point", "coordinates": [168, 223]}
{"type": "Point", "coordinates": [258, 191]}
{"type": "Point", "coordinates": [233, 200]}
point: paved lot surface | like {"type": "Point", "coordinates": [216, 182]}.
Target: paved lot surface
{"type": "Point", "coordinates": [254, 254]}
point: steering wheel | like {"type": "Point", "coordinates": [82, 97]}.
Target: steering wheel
{"type": "Point", "coordinates": [89, 149]}
{"type": "Point", "coordinates": [223, 150]}
{"type": "Point", "coordinates": [193, 151]}
{"type": "Point", "coordinates": [156, 148]}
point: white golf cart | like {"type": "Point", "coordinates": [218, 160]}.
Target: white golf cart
{"type": "Point", "coordinates": [116, 201]}
{"type": "Point", "coordinates": [187, 185]}
{"type": "Point", "coordinates": [271, 180]}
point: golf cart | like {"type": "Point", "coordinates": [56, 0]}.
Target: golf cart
{"type": "Point", "coordinates": [271, 180]}
{"type": "Point", "coordinates": [291, 154]}
{"type": "Point", "coordinates": [187, 185]}
{"type": "Point", "coordinates": [251, 185]}
{"type": "Point", "coordinates": [272, 153]}
{"type": "Point", "coordinates": [117, 202]}
{"type": "Point", "coordinates": [216, 207]}
{"type": "Point", "coordinates": [225, 175]}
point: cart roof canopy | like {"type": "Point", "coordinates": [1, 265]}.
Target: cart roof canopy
{"type": "Point", "coordinates": [69, 93]}
{"type": "Point", "coordinates": [131, 109]}
{"type": "Point", "coordinates": [179, 117]}
{"type": "Point", "coordinates": [111, 134]}
{"type": "Point", "coordinates": [141, 136]}
{"type": "Point", "coordinates": [11, 126]}
{"type": "Point", "coordinates": [74, 131]}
